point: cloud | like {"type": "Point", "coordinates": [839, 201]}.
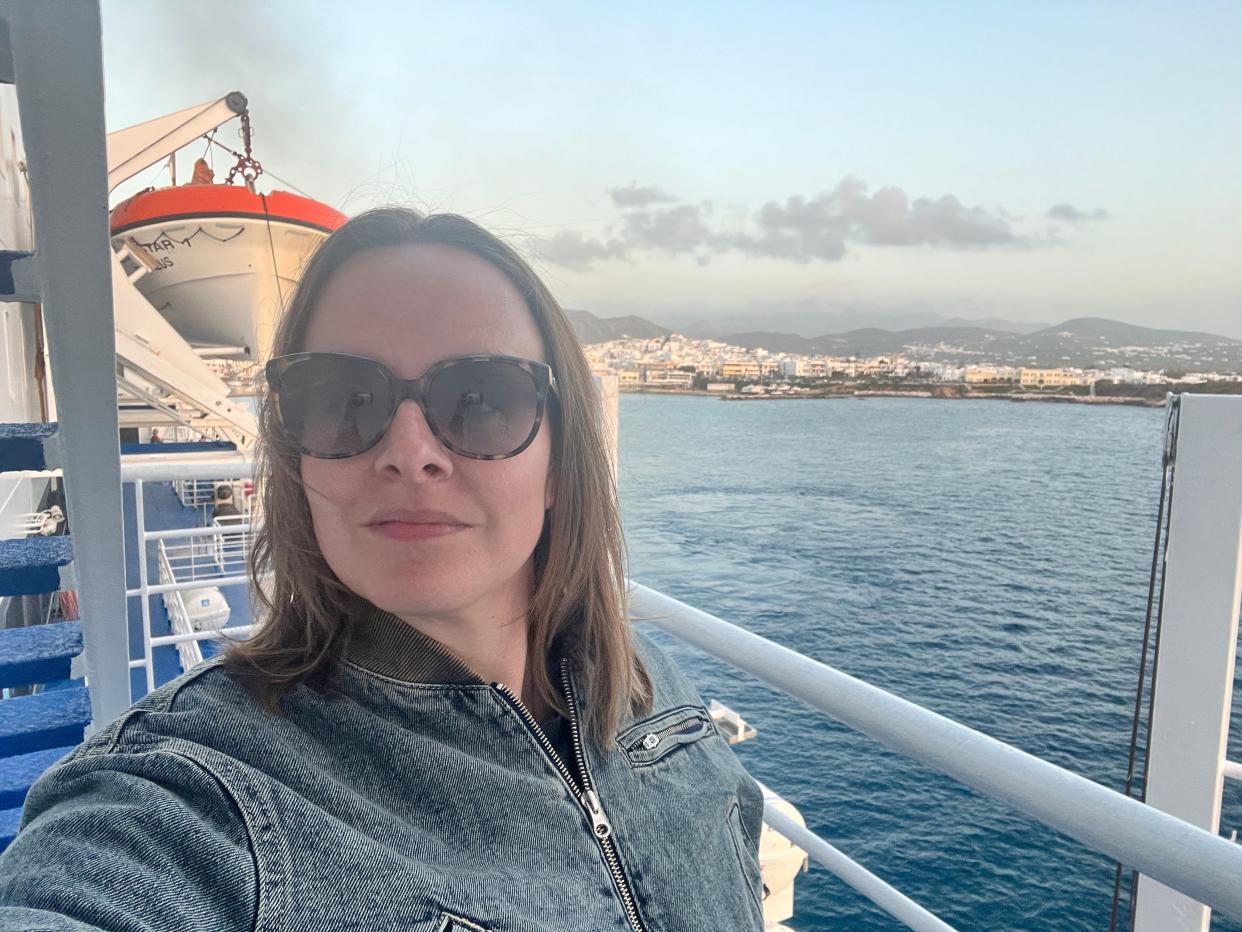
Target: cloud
{"type": "Point", "coordinates": [1071, 214]}
{"type": "Point", "coordinates": [634, 196]}
{"type": "Point", "coordinates": [800, 229]}
{"type": "Point", "coordinates": [204, 55]}
{"type": "Point", "coordinates": [680, 229]}
{"type": "Point", "coordinates": [572, 250]}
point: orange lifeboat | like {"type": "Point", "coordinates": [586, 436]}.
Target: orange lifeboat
{"type": "Point", "coordinates": [222, 261]}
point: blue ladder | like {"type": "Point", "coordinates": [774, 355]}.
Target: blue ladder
{"type": "Point", "coordinates": [36, 729]}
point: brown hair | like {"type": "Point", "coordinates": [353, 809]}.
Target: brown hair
{"type": "Point", "coordinates": [578, 604]}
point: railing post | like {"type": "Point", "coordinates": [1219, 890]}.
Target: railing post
{"type": "Point", "coordinates": [58, 65]}
{"type": "Point", "coordinates": [140, 519]}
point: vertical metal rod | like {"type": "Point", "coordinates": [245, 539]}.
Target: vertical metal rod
{"type": "Point", "coordinates": [58, 64]}
{"type": "Point", "coordinates": [140, 519]}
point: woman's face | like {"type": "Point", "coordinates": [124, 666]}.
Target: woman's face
{"type": "Point", "coordinates": [411, 527]}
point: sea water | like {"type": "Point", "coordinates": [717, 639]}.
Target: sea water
{"type": "Point", "coordinates": [986, 559]}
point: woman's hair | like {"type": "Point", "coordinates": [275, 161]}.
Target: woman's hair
{"type": "Point", "coordinates": [578, 603]}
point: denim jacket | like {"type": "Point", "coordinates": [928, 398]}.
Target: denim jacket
{"type": "Point", "coordinates": [410, 795]}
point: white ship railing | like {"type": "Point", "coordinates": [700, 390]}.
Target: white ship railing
{"type": "Point", "coordinates": [200, 494]}
{"type": "Point", "coordinates": [178, 618]}
{"type": "Point", "coordinates": [192, 555]}
{"type": "Point", "coordinates": [230, 550]}
{"type": "Point", "coordinates": [195, 493]}
{"type": "Point", "coordinates": [1196, 862]}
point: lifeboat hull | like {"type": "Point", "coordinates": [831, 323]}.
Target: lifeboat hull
{"type": "Point", "coordinates": [225, 261]}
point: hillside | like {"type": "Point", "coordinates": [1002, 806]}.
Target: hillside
{"type": "Point", "coordinates": [592, 329]}
{"type": "Point", "coordinates": [1085, 342]}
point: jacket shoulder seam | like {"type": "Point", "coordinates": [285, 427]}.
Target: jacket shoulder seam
{"type": "Point", "coordinates": [166, 703]}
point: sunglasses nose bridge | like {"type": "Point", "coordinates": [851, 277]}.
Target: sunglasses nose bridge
{"type": "Point", "coordinates": [410, 390]}
{"type": "Point", "coordinates": [414, 390]}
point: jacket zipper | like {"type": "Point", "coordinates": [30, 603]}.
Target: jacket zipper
{"type": "Point", "coordinates": [652, 740]}
{"type": "Point", "coordinates": [601, 828]}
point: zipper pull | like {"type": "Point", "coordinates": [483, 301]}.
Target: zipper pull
{"type": "Point", "coordinates": [599, 822]}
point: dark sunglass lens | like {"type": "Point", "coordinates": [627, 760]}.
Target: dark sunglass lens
{"type": "Point", "coordinates": [487, 407]}
{"type": "Point", "coordinates": [334, 405]}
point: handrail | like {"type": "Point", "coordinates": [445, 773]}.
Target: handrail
{"type": "Point", "coordinates": [888, 898]}
{"type": "Point", "coordinates": [160, 588]}
{"type": "Point", "coordinates": [150, 468]}
{"type": "Point", "coordinates": [167, 640]}
{"type": "Point", "coordinates": [1176, 853]}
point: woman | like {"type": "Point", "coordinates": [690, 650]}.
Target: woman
{"type": "Point", "coordinates": [446, 722]}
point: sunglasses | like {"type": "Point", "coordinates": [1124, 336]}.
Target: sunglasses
{"type": "Point", "coordinates": [334, 405]}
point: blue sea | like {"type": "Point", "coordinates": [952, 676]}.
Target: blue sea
{"type": "Point", "coordinates": [986, 559]}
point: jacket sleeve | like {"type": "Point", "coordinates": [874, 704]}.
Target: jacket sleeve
{"type": "Point", "coordinates": [129, 842]}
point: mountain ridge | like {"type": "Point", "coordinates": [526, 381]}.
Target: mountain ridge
{"type": "Point", "coordinates": [1086, 342]}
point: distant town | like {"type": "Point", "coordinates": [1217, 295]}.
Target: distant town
{"type": "Point", "coordinates": [676, 363]}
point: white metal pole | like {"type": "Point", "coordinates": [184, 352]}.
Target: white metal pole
{"type": "Point", "coordinates": [140, 520]}
{"type": "Point", "coordinates": [59, 72]}
{"type": "Point", "coordinates": [885, 896]}
{"type": "Point", "coordinates": [1192, 690]}
{"type": "Point", "coordinates": [182, 533]}
{"type": "Point", "coordinates": [219, 634]}
{"type": "Point", "coordinates": [220, 581]}
{"type": "Point", "coordinates": [154, 467]}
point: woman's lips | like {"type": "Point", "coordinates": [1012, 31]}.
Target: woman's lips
{"type": "Point", "coordinates": [405, 530]}
{"type": "Point", "coordinates": [415, 525]}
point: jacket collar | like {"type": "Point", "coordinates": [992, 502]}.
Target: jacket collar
{"type": "Point", "coordinates": [382, 643]}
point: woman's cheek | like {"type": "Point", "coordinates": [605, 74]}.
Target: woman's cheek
{"type": "Point", "coordinates": [328, 485]}
{"type": "Point", "coordinates": [327, 481]}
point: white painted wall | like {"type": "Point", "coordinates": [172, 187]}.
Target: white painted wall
{"type": "Point", "coordinates": [19, 395]}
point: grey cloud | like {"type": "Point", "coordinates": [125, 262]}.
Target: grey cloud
{"type": "Point", "coordinates": [572, 250]}
{"type": "Point", "coordinates": [634, 196]}
{"type": "Point", "coordinates": [680, 229]}
{"type": "Point", "coordinates": [154, 67]}
{"type": "Point", "coordinates": [801, 229]}
{"type": "Point", "coordinates": [1071, 214]}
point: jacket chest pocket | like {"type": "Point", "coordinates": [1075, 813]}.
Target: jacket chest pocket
{"type": "Point", "coordinates": [657, 737]}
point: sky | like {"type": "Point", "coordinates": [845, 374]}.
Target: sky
{"type": "Point", "coordinates": [796, 166]}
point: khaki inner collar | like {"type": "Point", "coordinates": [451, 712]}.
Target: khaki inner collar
{"type": "Point", "coordinates": [382, 643]}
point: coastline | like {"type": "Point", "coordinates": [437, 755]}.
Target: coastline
{"type": "Point", "coordinates": [863, 394]}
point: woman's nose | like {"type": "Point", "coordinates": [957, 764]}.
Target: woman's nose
{"type": "Point", "coordinates": [410, 449]}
